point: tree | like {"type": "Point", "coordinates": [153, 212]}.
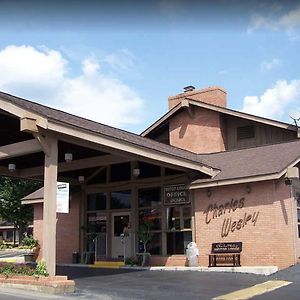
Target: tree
{"type": "Point", "coordinates": [12, 190]}
{"type": "Point", "coordinates": [145, 235]}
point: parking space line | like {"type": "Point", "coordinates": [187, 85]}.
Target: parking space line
{"type": "Point", "coordinates": [255, 290]}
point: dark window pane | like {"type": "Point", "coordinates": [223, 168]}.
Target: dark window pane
{"type": "Point", "coordinates": [153, 216]}
{"type": "Point", "coordinates": [99, 178]}
{"type": "Point", "coordinates": [186, 214]}
{"type": "Point", "coordinates": [298, 213]}
{"type": "Point", "coordinates": [154, 246]}
{"type": "Point", "coordinates": [149, 197]}
{"type": "Point", "coordinates": [178, 241]}
{"type": "Point", "coordinates": [120, 200]}
{"type": "Point", "coordinates": [120, 172]}
{"type": "Point", "coordinates": [148, 170]}
{"type": "Point", "coordinates": [96, 201]}
{"type": "Point", "coordinates": [173, 218]}
{"type": "Point", "coordinates": [96, 223]}
{"type": "Point", "coordinates": [119, 223]}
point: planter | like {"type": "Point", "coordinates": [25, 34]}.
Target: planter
{"type": "Point", "coordinates": [29, 257]}
{"type": "Point", "coordinates": [51, 284]}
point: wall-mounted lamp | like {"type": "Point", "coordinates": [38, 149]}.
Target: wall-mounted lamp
{"type": "Point", "coordinates": [11, 167]}
{"type": "Point", "coordinates": [81, 179]}
{"type": "Point", "coordinates": [136, 172]}
{"type": "Point", "coordinates": [208, 192]}
{"type": "Point", "coordinates": [68, 157]}
{"type": "Point", "coordinates": [248, 189]}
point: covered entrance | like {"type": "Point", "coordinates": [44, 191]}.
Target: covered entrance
{"type": "Point", "coordinates": [103, 166]}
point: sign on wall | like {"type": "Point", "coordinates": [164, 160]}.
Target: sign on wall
{"type": "Point", "coordinates": [62, 197]}
{"type": "Point", "coordinates": [176, 194]}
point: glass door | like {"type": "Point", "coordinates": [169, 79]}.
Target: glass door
{"type": "Point", "coordinates": [121, 235]}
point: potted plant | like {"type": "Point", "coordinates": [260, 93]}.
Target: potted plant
{"type": "Point", "coordinates": [31, 246]}
{"type": "Point", "coordinates": [145, 236]}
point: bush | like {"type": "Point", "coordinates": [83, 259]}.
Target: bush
{"type": "Point", "coordinates": [41, 269]}
{"type": "Point", "coordinates": [29, 242]}
{"type": "Point", "coordinates": [131, 261]}
{"type": "Point", "coordinates": [9, 269]}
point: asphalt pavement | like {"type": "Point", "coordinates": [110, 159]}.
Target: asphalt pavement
{"type": "Point", "coordinates": [95, 283]}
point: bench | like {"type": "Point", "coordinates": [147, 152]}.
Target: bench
{"type": "Point", "coordinates": [225, 254]}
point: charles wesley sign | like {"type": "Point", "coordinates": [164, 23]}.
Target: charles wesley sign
{"type": "Point", "coordinates": [176, 194]}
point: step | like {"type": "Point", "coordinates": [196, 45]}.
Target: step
{"type": "Point", "coordinates": [108, 264]}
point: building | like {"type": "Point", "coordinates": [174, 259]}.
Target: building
{"type": "Point", "coordinates": [201, 173]}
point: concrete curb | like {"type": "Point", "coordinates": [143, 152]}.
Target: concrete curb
{"type": "Point", "coordinates": [250, 270]}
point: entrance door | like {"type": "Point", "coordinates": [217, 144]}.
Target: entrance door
{"type": "Point", "coordinates": [121, 240]}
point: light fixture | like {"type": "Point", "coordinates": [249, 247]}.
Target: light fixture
{"type": "Point", "coordinates": [136, 172]}
{"type": "Point", "coordinates": [11, 167]}
{"type": "Point", "coordinates": [81, 179]}
{"type": "Point", "coordinates": [68, 157]}
{"type": "Point", "coordinates": [248, 189]}
{"type": "Point", "coordinates": [208, 192]}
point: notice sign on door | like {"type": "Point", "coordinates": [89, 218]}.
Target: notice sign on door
{"type": "Point", "coordinates": [62, 197]}
{"type": "Point", "coordinates": [176, 194]}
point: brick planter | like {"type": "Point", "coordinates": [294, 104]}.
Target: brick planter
{"type": "Point", "coordinates": [50, 284]}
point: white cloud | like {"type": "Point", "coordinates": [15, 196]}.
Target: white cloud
{"type": "Point", "coordinates": [288, 21]}
{"type": "Point", "coordinates": [274, 102]}
{"type": "Point", "coordinates": [41, 75]}
{"type": "Point", "coordinates": [270, 65]}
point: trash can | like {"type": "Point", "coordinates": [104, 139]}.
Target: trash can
{"type": "Point", "coordinates": [192, 254]}
{"type": "Point", "coordinates": [75, 257]}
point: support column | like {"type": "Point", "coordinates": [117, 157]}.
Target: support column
{"type": "Point", "coordinates": [49, 209]}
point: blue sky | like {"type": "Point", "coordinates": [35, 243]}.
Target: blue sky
{"type": "Point", "coordinates": [117, 63]}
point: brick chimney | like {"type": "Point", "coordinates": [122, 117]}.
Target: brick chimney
{"type": "Point", "coordinates": [213, 95]}
{"type": "Point", "coordinates": [198, 130]}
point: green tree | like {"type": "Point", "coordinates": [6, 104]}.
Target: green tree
{"type": "Point", "coordinates": [12, 190]}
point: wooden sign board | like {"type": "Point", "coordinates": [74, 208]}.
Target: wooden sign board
{"type": "Point", "coordinates": [176, 194]}
{"type": "Point", "coordinates": [231, 247]}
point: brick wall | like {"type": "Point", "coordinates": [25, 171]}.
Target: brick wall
{"type": "Point", "coordinates": [212, 95]}
{"type": "Point", "coordinates": [200, 133]}
{"type": "Point", "coordinates": [268, 236]}
{"type": "Point", "coordinates": [67, 230]}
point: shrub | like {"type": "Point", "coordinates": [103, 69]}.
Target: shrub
{"type": "Point", "coordinates": [29, 242]}
{"type": "Point", "coordinates": [9, 269]}
{"type": "Point", "coordinates": [41, 269]}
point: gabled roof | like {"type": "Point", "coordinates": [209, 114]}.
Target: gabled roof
{"type": "Point", "coordinates": [252, 164]}
{"type": "Point", "coordinates": [129, 140]}
{"type": "Point", "coordinates": [190, 101]}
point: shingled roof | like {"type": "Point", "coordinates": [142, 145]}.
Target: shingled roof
{"type": "Point", "coordinates": [253, 162]}
{"type": "Point", "coordinates": [65, 118]}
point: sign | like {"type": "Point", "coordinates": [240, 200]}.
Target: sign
{"type": "Point", "coordinates": [176, 194]}
{"type": "Point", "coordinates": [230, 247]}
{"type": "Point", "coordinates": [62, 197]}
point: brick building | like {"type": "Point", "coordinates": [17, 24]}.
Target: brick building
{"type": "Point", "coordinates": [202, 173]}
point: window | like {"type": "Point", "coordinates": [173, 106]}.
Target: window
{"type": "Point", "coordinates": [245, 132]}
{"type": "Point", "coordinates": [120, 200]}
{"type": "Point", "coordinates": [150, 210]}
{"type": "Point", "coordinates": [297, 198]}
{"type": "Point", "coordinates": [120, 172]}
{"type": "Point", "coordinates": [179, 230]}
{"type": "Point", "coordinates": [96, 201]}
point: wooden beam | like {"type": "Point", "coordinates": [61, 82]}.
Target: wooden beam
{"type": "Point", "coordinates": [43, 143]}
{"type": "Point", "coordinates": [85, 163]}
{"type": "Point", "coordinates": [19, 149]}
{"type": "Point", "coordinates": [28, 125]}
{"type": "Point", "coordinates": [94, 174]}
{"type": "Point", "coordinates": [49, 208]}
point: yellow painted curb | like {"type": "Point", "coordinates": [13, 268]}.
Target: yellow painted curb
{"type": "Point", "coordinates": [255, 290]}
{"type": "Point", "coordinates": [103, 267]}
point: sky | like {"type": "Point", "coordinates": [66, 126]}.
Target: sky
{"type": "Point", "coordinates": [116, 62]}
